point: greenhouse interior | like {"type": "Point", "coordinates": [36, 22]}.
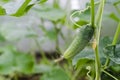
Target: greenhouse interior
{"type": "Point", "coordinates": [59, 39]}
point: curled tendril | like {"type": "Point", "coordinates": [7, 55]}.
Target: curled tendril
{"type": "Point", "coordinates": [81, 11]}
{"type": "Point", "coordinates": [88, 73]}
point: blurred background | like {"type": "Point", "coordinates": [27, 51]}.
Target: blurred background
{"type": "Point", "coordinates": [17, 26]}
{"type": "Point", "coordinates": [41, 30]}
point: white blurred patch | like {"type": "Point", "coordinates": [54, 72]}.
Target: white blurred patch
{"type": "Point", "coordinates": [75, 4]}
{"type": "Point", "coordinates": [76, 19]}
{"type": "Point", "coordinates": [78, 4]}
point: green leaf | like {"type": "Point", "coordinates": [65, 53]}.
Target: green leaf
{"type": "Point", "coordinates": [113, 52]}
{"type": "Point", "coordinates": [42, 68]}
{"type": "Point", "coordinates": [42, 1]}
{"type": "Point", "coordinates": [29, 7]}
{"type": "Point", "coordinates": [13, 61]}
{"type": "Point", "coordinates": [116, 3]}
{"type": "Point", "coordinates": [2, 11]}
{"type": "Point", "coordinates": [51, 34]}
{"type": "Point", "coordinates": [103, 43]}
{"type": "Point", "coordinates": [114, 17]}
{"type": "Point", "coordinates": [56, 73]}
{"type": "Point", "coordinates": [22, 8]}
{"type": "Point", "coordinates": [50, 13]}
{"type": "Point", "coordinates": [83, 60]}
{"type": "Point", "coordinates": [6, 62]}
{"type": "Point", "coordinates": [87, 54]}
{"type": "Point", "coordinates": [2, 38]}
{"type": "Point", "coordinates": [111, 1]}
{"type": "Point", "coordinates": [24, 63]}
{"type": "Point", "coordinates": [115, 68]}
{"type": "Point", "coordinates": [5, 0]}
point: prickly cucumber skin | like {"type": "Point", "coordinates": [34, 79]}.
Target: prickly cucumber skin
{"type": "Point", "coordinates": [82, 38]}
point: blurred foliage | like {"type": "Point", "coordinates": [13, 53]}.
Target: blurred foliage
{"type": "Point", "coordinates": [2, 11]}
{"type": "Point", "coordinates": [56, 73]}
{"type": "Point", "coordinates": [10, 32]}
{"type": "Point", "coordinates": [112, 51]}
{"type": "Point", "coordinates": [14, 62]}
{"type": "Point", "coordinates": [49, 13]}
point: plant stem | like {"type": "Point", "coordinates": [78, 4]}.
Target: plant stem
{"type": "Point", "coordinates": [39, 46]}
{"type": "Point", "coordinates": [97, 63]}
{"type": "Point", "coordinates": [92, 13]}
{"type": "Point", "coordinates": [100, 12]}
{"type": "Point", "coordinates": [106, 63]}
{"type": "Point", "coordinates": [76, 74]}
{"type": "Point", "coordinates": [62, 35]}
{"type": "Point", "coordinates": [116, 3]}
{"type": "Point", "coordinates": [15, 76]}
{"type": "Point", "coordinates": [57, 36]}
{"type": "Point", "coordinates": [56, 3]}
{"type": "Point", "coordinates": [99, 19]}
{"type": "Point", "coordinates": [97, 60]}
{"type": "Point", "coordinates": [41, 51]}
{"type": "Point", "coordinates": [97, 36]}
{"type": "Point", "coordinates": [109, 74]}
{"type": "Point", "coordinates": [116, 36]}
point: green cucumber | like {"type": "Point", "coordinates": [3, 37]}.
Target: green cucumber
{"type": "Point", "coordinates": [82, 38]}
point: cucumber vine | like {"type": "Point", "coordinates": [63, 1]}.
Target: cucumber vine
{"type": "Point", "coordinates": [97, 37]}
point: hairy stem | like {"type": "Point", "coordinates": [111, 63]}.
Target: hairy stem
{"type": "Point", "coordinates": [97, 36]}
{"type": "Point", "coordinates": [97, 63]}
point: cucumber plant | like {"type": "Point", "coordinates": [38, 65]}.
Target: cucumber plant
{"type": "Point", "coordinates": [84, 36]}
{"type": "Point", "coordinates": [85, 51]}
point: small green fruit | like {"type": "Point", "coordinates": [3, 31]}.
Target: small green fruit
{"type": "Point", "coordinates": [82, 38]}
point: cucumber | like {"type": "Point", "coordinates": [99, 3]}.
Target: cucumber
{"type": "Point", "coordinates": [84, 35]}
